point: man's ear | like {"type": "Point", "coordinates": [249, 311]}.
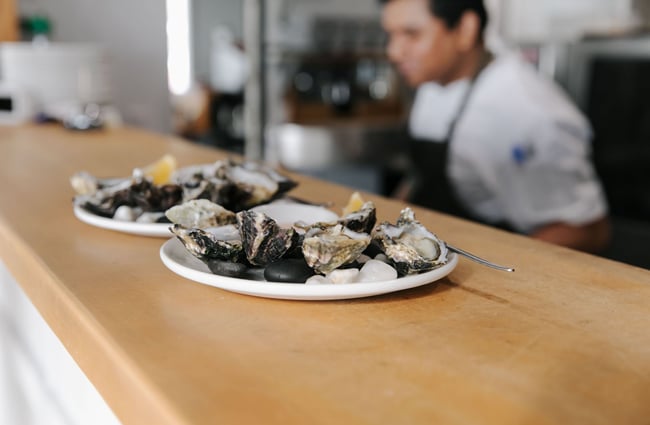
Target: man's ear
{"type": "Point", "coordinates": [468, 30]}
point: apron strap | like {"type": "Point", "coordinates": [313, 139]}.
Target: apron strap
{"type": "Point", "coordinates": [485, 60]}
{"type": "Point", "coordinates": [433, 187]}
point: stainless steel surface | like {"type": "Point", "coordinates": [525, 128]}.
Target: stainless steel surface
{"type": "Point", "coordinates": [479, 259]}
{"type": "Point", "coordinates": [574, 61]}
{"type": "Point", "coordinates": [363, 157]}
{"type": "Point", "coordinates": [254, 90]}
{"type": "Point", "coordinates": [313, 147]}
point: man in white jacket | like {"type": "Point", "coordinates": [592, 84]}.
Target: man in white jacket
{"type": "Point", "coordinates": [492, 140]}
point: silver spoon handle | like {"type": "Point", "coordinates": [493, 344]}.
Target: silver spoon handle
{"type": "Point", "coordinates": [479, 259]}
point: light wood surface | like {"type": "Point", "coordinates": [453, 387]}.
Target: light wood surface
{"type": "Point", "coordinates": [8, 21]}
{"type": "Point", "coordinates": [563, 340]}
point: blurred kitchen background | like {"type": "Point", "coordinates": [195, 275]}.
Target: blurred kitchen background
{"type": "Point", "coordinates": [305, 84]}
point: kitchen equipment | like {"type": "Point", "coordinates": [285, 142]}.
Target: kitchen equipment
{"type": "Point", "coordinates": [642, 9]}
{"type": "Point", "coordinates": [228, 63]}
{"type": "Point", "coordinates": [343, 87]}
{"type": "Point", "coordinates": [16, 105]}
{"type": "Point", "coordinates": [57, 74]}
{"type": "Point", "coordinates": [607, 77]}
{"type": "Point", "coordinates": [359, 155]}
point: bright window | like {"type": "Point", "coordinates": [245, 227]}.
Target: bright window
{"type": "Point", "coordinates": [179, 66]}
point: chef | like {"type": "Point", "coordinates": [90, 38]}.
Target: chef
{"type": "Point", "coordinates": [492, 140]}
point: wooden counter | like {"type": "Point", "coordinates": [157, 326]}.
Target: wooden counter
{"type": "Point", "coordinates": [563, 340]}
{"type": "Point", "coordinates": [8, 21]}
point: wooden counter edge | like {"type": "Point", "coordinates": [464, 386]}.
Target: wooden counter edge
{"type": "Point", "coordinates": [125, 390]}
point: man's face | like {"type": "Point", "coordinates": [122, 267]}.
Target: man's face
{"type": "Point", "coordinates": [422, 47]}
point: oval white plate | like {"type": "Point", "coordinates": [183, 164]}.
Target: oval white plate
{"type": "Point", "coordinates": [180, 261]}
{"type": "Point", "coordinates": [284, 213]}
{"type": "Point", "coordinates": [160, 230]}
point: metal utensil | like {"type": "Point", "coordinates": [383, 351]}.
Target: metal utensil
{"type": "Point", "coordinates": [479, 259]}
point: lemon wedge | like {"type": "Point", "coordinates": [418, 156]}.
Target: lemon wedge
{"type": "Point", "coordinates": [354, 204]}
{"type": "Point", "coordinates": [161, 170]}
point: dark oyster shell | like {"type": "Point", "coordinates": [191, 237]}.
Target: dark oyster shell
{"type": "Point", "coordinates": [141, 193]}
{"type": "Point", "coordinates": [263, 239]}
{"type": "Point", "coordinates": [207, 246]}
{"type": "Point", "coordinates": [363, 220]}
{"type": "Point", "coordinates": [235, 185]}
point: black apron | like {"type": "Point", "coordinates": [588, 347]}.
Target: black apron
{"type": "Point", "coordinates": [430, 159]}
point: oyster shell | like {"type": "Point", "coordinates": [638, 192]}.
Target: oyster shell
{"type": "Point", "coordinates": [200, 213]}
{"type": "Point", "coordinates": [263, 239]}
{"type": "Point", "coordinates": [409, 245]}
{"type": "Point", "coordinates": [222, 243]}
{"type": "Point", "coordinates": [235, 185]}
{"type": "Point", "coordinates": [256, 184]}
{"type": "Point", "coordinates": [137, 192]}
{"type": "Point", "coordinates": [328, 248]}
{"type": "Point", "coordinates": [213, 189]}
{"type": "Point", "coordinates": [362, 220]}
{"type": "Point", "coordinates": [85, 183]}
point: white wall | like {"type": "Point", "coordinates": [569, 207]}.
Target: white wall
{"type": "Point", "coordinates": [561, 20]}
{"type": "Point", "coordinates": [134, 33]}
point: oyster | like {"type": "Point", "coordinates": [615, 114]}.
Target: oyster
{"type": "Point", "coordinates": [200, 213]}
{"type": "Point", "coordinates": [263, 239]}
{"type": "Point", "coordinates": [151, 197]}
{"type": "Point", "coordinates": [255, 183]}
{"type": "Point", "coordinates": [327, 248]}
{"type": "Point", "coordinates": [235, 185]}
{"type": "Point", "coordinates": [85, 183]}
{"type": "Point", "coordinates": [362, 220]}
{"type": "Point", "coordinates": [223, 243]}
{"type": "Point", "coordinates": [213, 189]}
{"type": "Point", "coordinates": [137, 191]}
{"type": "Point", "coordinates": [409, 245]}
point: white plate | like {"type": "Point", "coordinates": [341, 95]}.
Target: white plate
{"type": "Point", "coordinates": [180, 261]}
{"type": "Point", "coordinates": [160, 230]}
{"type": "Point", "coordinates": [284, 213]}
{"type": "Point", "coordinates": [279, 211]}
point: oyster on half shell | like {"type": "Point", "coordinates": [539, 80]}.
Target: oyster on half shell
{"type": "Point", "coordinates": [328, 248]}
{"type": "Point", "coordinates": [409, 245]}
{"type": "Point", "coordinates": [263, 239]}
{"type": "Point", "coordinates": [223, 243]}
{"type": "Point", "coordinates": [236, 185]}
{"type": "Point", "coordinates": [137, 192]}
{"type": "Point", "coordinates": [200, 213]}
{"type": "Point", "coordinates": [256, 183]}
{"type": "Point", "coordinates": [363, 220]}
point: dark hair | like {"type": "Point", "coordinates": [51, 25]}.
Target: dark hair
{"type": "Point", "coordinates": [450, 11]}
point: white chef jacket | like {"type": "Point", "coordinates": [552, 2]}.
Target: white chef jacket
{"type": "Point", "coordinates": [520, 149]}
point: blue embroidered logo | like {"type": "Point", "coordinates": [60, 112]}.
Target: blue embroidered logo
{"type": "Point", "coordinates": [522, 154]}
